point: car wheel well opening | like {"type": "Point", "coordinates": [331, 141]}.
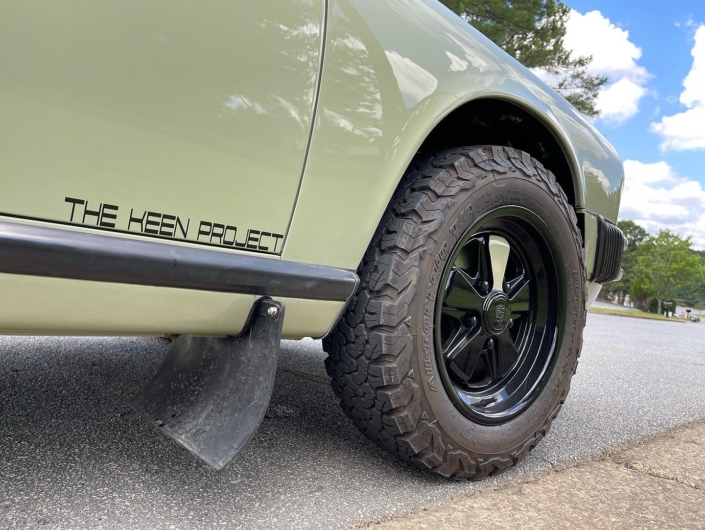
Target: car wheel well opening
{"type": "Point", "coordinates": [497, 122]}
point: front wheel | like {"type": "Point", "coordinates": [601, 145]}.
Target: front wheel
{"type": "Point", "coordinates": [459, 346]}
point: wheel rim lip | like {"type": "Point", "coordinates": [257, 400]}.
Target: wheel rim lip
{"type": "Point", "coordinates": [541, 377]}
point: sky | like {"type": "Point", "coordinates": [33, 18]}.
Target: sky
{"type": "Point", "coordinates": [653, 106]}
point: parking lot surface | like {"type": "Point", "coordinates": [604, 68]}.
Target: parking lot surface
{"type": "Point", "coordinates": [73, 456]}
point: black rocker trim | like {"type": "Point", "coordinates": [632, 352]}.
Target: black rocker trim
{"type": "Point", "coordinates": [57, 253]}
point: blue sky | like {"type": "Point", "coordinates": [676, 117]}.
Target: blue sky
{"type": "Point", "coordinates": [657, 123]}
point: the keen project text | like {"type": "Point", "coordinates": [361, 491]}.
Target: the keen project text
{"type": "Point", "coordinates": [111, 217]}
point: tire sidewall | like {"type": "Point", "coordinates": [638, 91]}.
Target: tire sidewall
{"type": "Point", "coordinates": [491, 193]}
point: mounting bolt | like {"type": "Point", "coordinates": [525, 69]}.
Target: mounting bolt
{"type": "Point", "coordinates": [485, 286]}
{"type": "Point", "coordinates": [273, 312]}
{"type": "Point", "coordinates": [506, 286]}
{"type": "Point", "coordinates": [490, 344]}
{"type": "Point", "coordinates": [510, 323]}
{"type": "Point", "coordinates": [469, 322]}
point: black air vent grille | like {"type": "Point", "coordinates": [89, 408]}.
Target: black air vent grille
{"type": "Point", "coordinates": [610, 247]}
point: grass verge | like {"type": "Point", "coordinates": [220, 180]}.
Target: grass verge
{"type": "Point", "coordinates": [633, 313]}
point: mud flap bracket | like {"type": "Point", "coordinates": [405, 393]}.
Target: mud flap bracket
{"type": "Point", "coordinates": [211, 394]}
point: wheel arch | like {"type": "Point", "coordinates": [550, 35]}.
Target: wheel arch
{"type": "Point", "coordinates": [503, 119]}
{"type": "Point", "coordinates": [500, 120]}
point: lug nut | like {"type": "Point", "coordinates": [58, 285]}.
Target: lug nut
{"type": "Point", "coordinates": [469, 322]}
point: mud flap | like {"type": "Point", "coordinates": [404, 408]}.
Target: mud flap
{"type": "Point", "coordinates": [210, 394]}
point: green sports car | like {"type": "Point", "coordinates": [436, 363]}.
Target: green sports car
{"type": "Point", "coordinates": [375, 173]}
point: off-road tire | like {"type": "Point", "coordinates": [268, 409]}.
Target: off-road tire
{"type": "Point", "coordinates": [379, 359]}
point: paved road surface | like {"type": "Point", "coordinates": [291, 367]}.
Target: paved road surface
{"type": "Point", "coordinates": [69, 459]}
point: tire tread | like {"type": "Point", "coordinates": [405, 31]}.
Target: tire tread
{"type": "Point", "coordinates": [370, 350]}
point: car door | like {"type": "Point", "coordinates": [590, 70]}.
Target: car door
{"type": "Point", "coordinates": [186, 122]}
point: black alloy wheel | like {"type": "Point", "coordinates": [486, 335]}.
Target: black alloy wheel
{"type": "Point", "coordinates": [497, 317]}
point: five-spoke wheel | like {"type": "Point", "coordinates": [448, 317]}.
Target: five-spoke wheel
{"type": "Point", "coordinates": [494, 325]}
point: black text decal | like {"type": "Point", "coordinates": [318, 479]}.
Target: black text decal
{"type": "Point", "coordinates": [169, 226]}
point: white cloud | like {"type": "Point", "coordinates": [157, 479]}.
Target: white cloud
{"type": "Point", "coordinates": [613, 56]}
{"type": "Point", "coordinates": [655, 197]}
{"type": "Point", "coordinates": [686, 130]}
{"type": "Point", "coordinates": [658, 173]}
{"type": "Point", "coordinates": [620, 101]}
{"type": "Point", "coordinates": [687, 22]}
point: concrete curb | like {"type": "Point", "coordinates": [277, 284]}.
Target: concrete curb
{"type": "Point", "coordinates": [655, 483]}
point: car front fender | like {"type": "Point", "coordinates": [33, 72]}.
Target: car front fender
{"type": "Point", "coordinates": [392, 71]}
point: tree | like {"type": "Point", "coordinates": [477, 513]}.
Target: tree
{"type": "Point", "coordinates": [665, 265]}
{"type": "Point", "coordinates": [532, 32]}
{"type": "Point", "coordinates": [641, 293]}
{"type": "Point", "coordinates": [694, 295]}
{"type": "Point", "coordinates": [633, 232]}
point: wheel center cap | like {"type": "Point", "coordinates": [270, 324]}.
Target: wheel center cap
{"type": "Point", "coordinates": [496, 312]}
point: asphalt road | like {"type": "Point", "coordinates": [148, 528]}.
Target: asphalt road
{"type": "Point", "coordinates": [71, 457]}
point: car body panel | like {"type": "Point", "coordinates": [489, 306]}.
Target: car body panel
{"type": "Point", "coordinates": [79, 307]}
{"type": "Point", "coordinates": [382, 93]}
{"type": "Point", "coordinates": [203, 113]}
{"type": "Point", "coordinates": [159, 116]}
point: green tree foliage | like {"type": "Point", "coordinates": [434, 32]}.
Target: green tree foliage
{"type": "Point", "coordinates": [641, 293]}
{"type": "Point", "coordinates": [634, 233]}
{"type": "Point", "coordinates": [665, 265]}
{"type": "Point", "coordinates": [532, 31]}
{"type": "Point", "coordinates": [694, 295]}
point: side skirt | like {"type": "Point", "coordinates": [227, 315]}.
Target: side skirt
{"type": "Point", "coordinates": [57, 253]}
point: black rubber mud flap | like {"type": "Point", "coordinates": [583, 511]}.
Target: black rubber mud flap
{"type": "Point", "coordinates": [210, 394]}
